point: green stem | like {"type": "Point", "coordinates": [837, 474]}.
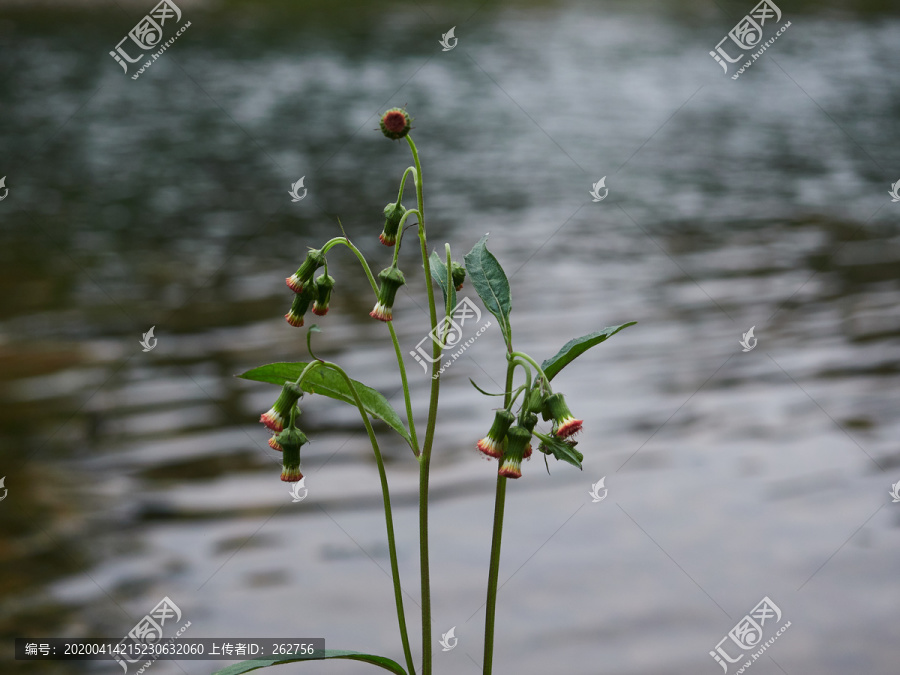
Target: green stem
{"type": "Point", "coordinates": [400, 234]}
{"type": "Point", "coordinates": [414, 441]}
{"type": "Point", "coordinates": [522, 355]}
{"type": "Point", "coordinates": [425, 458]}
{"type": "Point", "coordinates": [409, 169]}
{"type": "Point", "coordinates": [388, 517]}
{"type": "Point", "coordinates": [494, 571]}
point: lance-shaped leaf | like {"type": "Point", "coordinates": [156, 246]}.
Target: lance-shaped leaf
{"type": "Point", "coordinates": [256, 664]}
{"type": "Point", "coordinates": [491, 284]}
{"type": "Point", "coordinates": [330, 383]}
{"type": "Point", "coordinates": [575, 348]}
{"type": "Point", "coordinates": [439, 274]}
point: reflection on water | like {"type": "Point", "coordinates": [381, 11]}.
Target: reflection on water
{"type": "Point", "coordinates": [162, 202]}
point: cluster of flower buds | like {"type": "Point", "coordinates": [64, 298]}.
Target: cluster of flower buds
{"type": "Point", "coordinates": [511, 444]}
{"type": "Point", "coordinates": [393, 214]}
{"type": "Point", "coordinates": [287, 438]}
{"type": "Point", "coordinates": [308, 292]}
{"type": "Point", "coordinates": [391, 280]}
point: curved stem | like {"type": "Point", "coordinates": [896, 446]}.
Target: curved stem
{"type": "Point", "coordinates": [414, 444]}
{"type": "Point", "coordinates": [525, 357]}
{"type": "Point", "coordinates": [400, 234]}
{"type": "Point", "coordinates": [425, 458]}
{"type": "Point", "coordinates": [388, 517]}
{"type": "Point", "coordinates": [409, 170]}
{"type": "Point", "coordinates": [494, 571]}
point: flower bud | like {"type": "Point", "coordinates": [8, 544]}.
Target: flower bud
{"type": "Point", "coordinates": [278, 415]}
{"type": "Point", "coordinates": [516, 440]}
{"type": "Point", "coordinates": [393, 214]}
{"type": "Point", "coordinates": [391, 280]}
{"type": "Point", "coordinates": [304, 274]}
{"type": "Point", "coordinates": [535, 401]}
{"type": "Point", "coordinates": [323, 286]}
{"type": "Point", "coordinates": [457, 275]}
{"type": "Point", "coordinates": [301, 303]}
{"type": "Point", "coordinates": [395, 123]}
{"type": "Point", "coordinates": [291, 440]}
{"type": "Point", "coordinates": [492, 444]}
{"type": "Point", "coordinates": [555, 408]}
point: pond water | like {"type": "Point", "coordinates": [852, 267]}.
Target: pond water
{"type": "Point", "coordinates": [732, 475]}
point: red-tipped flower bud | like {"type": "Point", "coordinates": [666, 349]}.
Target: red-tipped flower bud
{"type": "Point", "coordinates": [516, 440]}
{"type": "Point", "coordinates": [299, 306]}
{"type": "Point", "coordinates": [393, 214]}
{"type": "Point", "coordinates": [278, 415]}
{"type": "Point", "coordinates": [304, 274]}
{"type": "Point", "coordinates": [323, 286]}
{"type": "Point", "coordinates": [395, 123]}
{"type": "Point", "coordinates": [555, 408]}
{"type": "Point", "coordinates": [457, 275]}
{"type": "Point", "coordinates": [492, 444]}
{"type": "Point", "coordinates": [391, 280]}
{"type": "Point", "coordinates": [291, 440]}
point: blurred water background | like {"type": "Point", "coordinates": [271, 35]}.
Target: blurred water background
{"type": "Point", "coordinates": [163, 202]}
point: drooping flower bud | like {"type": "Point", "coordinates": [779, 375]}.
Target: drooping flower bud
{"type": "Point", "coordinates": [534, 403]}
{"type": "Point", "coordinates": [323, 287]}
{"type": "Point", "coordinates": [395, 123]}
{"type": "Point", "coordinates": [457, 275]}
{"type": "Point", "coordinates": [555, 408]}
{"type": "Point", "coordinates": [393, 214]}
{"type": "Point", "coordinates": [274, 444]}
{"type": "Point", "coordinates": [291, 440]}
{"type": "Point", "coordinates": [278, 415]}
{"type": "Point", "coordinates": [300, 305]}
{"type": "Point", "coordinates": [492, 444]}
{"type": "Point", "coordinates": [516, 440]}
{"type": "Point", "coordinates": [528, 421]}
{"type": "Point", "coordinates": [304, 274]}
{"type": "Point", "coordinates": [391, 280]}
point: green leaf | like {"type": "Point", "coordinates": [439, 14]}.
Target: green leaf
{"type": "Point", "coordinates": [256, 664]}
{"type": "Point", "coordinates": [491, 284]}
{"type": "Point", "coordinates": [575, 348]}
{"type": "Point", "coordinates": [328, 382]}
{"type": "Point", "coordinates": [486, 393]}
{"type": "Point", "coordinates": [561, 450]}
{"type": "Point", "coordinates": [439, 274]}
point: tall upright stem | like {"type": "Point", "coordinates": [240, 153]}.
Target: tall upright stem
{"type": "Point", "coordinates": [425, 457]}
{"type": "Point", "coordinates": [494, 571]}
{"type": "Point", "coordinates": [388, 517]}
